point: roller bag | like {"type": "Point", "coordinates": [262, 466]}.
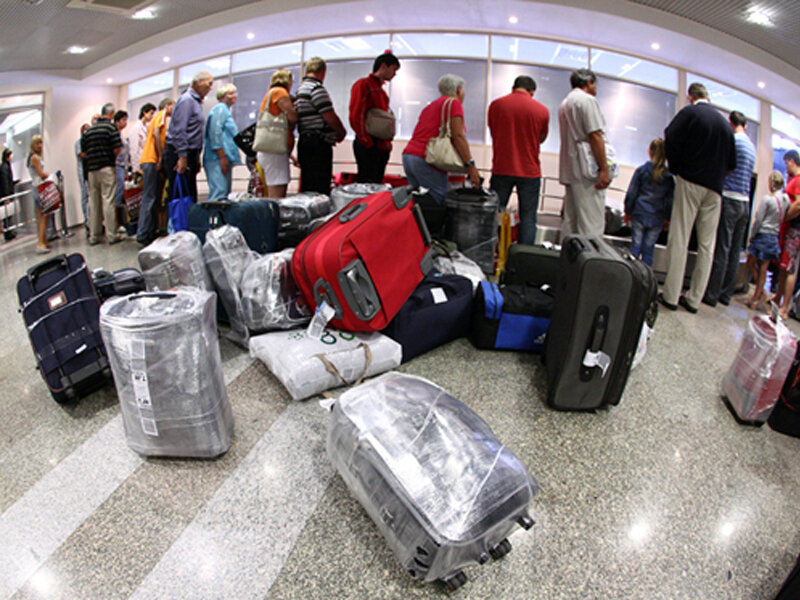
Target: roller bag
{"type": "Point", "coordinates": [441, 488]}
{"type": "Point", "coordinates": [531, 265]}
{"type": "Point", "coordinates": [61, 313]}
{"type": "Point", "coordinates": [300, 215]}
{"type": "Point", "coordinates": [752, 385]}
{"type": "Point", "coordinates": [270, 298]}
{"type": "Point", "coordinates": [471, 222]}
{"type": "Point", "coordinates": [164, 352]}
{"type": "Point", "coordinates": [366, 261]}
{"type": "Point", "coordinates": [601, 299]}
{"type": "Point", "coordinates": [258, 220]}
{"type": "Point", "coordinates": [437, 312]}
{"type": "Point", "coordinates": [173, 261]}
{"type": "Point", "coordinates": [435, 214]}
{"type": "Point", "coordinates": [119, 283]}
{"type": "Point", "coordinates": [510, 317]}
{"type": "Point", "coordinates": [343, 195]}
{"type": "Point", "coordinates": [785, 415]}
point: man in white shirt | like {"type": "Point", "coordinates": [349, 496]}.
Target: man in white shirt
{"type": "Point", "coordinates": [581, 121]}
{"type": "Point", "coordinates": [138, 134]}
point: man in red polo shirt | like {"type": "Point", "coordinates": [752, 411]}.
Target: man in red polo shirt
{"type": "Point", "coordinates": [519, 124]}
{"type": "Point", "coordinates": [372, 153]}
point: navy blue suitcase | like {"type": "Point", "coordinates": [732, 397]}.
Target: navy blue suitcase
{"type": "Point", "coordinates": [258, 220]}
{"type": "Point", "coordinates": [62, 315]}
{"type": "Point", "coordinates": [121, 282]}
{"type": "Point", "coordinates": [437, 312]}
{"type": "Point", "coordinates": [510, 317]}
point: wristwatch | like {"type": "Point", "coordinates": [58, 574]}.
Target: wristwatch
{"type": "Point", "coordinates": [471, 162]}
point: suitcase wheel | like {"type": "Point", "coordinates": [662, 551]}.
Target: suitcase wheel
{"type": "Point", "coordinates": [525, 522]}
{"type": "Point", "coordinates": [501, 549]}
{"type": "Point", "coordinates": [454, 582]}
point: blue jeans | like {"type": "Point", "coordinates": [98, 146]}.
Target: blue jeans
{"type": "Point", "coordinates": [528, 196]}
{"type": "Point", "coordinates": [119, 199]}
{"type": "Point", "coordinates": [152, 184]}
{"type": "Point", "coordinates": [644, 241]}
{"type": "Point", "coordinates": [421, 174]}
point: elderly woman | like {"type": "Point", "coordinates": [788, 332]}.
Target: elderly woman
{"type": "Point", "coordinates": [419, 172]}
{"type": "Point", "coordinates": [35, 165]}
{"type": "Point", "coordinates": [220, 152]}
{"type": "Point", "coordinates": [276, 166]}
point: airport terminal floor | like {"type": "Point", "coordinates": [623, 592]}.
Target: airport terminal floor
{"type": "Point", "coordinates": [664, 496]}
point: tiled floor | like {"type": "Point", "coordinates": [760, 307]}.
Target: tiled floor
{"type": "Point", "coordinates": [664, 496]}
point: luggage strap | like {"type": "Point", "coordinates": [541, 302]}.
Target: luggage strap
{"type": "Point", "coordinates": [331, 368]}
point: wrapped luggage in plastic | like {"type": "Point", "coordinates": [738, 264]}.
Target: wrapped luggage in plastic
{"type": "Point", "coordinates": [308, 366]}
{"type": "Point", "coordinates": [754, 381]}
{"type": "Point", "coordinates": [301, 209]}
{"type": "Point", "coordinates": [456, 263]}
{"type": "Point", "coordinates": [270, 298]}
{"type": "Point", "coordinates": [164, 354]}
{"type": "Point", "coordinates": [227, 257]}
{"type": "Point", "coordinates": [471, 222]}
{"type": "Point", "coordinates": [173, 261]}
{"type": "Point", "coordinates": [441, 488]}
{"type": "Point", "coordinates": [344, 195]}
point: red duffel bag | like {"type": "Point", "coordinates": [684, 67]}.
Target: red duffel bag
{"type": "Point", "coordinates": [366, 260]}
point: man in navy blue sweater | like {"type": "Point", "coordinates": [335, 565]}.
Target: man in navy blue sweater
{"type": "Point", "coordinates": [700, 151]}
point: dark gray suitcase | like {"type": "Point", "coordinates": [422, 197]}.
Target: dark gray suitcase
{"type": "Point", "coordinates": [602, 297]}
{"type": "Point", "coordinates": [531, 265]}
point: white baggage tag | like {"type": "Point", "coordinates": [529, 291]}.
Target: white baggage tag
{"type": "Point", "coordinates": [597, 359]}
{"type": "Point", "coordinates": [439, 295]}
{"type": "Point", "coordinates": [323, 314]}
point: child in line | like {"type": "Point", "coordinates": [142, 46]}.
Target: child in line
{"type": "Point", "coordinates": [764, 245]}
{"type": "Point", "coordinates": [648, 203]}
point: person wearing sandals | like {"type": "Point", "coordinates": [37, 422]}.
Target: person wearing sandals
{"type": "Point", "coordinates": [764, 246]}
{"type": "Point", "coordinates": [35, 166]}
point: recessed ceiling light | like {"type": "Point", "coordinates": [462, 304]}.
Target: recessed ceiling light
{"type": "Point", "coordinates": [145, 13]}
{"type": "Point", "coordinates": [513, 20]}
{"type": "Point", "coordinates": [759, 16]}
{"type": "Point", "coordinates": [762, 85]}
{"type": "Point", "coordinates": [251, 35]}
{"type": "Point", "coordinates": [369, 18]}
{"type": "Point", "coordinates": [77, 49]}
{"type": "Point", "coordinates": [655, 46]}
{"type": "Point", "coordinates": [109, 80]}
{"type": "Point", "coordinates": [165, 59]}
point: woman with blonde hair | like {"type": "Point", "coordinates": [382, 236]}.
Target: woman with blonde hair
{"type": "Point", "coordinates": [276, 166]}
{"type": "Point", "coordinates": [220, 152]}
{"type": "Point", "coordinates": [35, 166]}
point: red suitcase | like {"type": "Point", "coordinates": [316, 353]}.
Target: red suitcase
{"type": "Point", "coordinates": [366, 261]}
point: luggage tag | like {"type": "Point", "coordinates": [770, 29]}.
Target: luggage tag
{"type": "Point", "coordinates": [323, 314]}
{"type": "Point", "coordinates": [439, 295]}
{"type": "Point", "coordinates": [597, 359]}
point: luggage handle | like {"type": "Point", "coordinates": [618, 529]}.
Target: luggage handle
{"type": "Point", "coordinates": [352, 211]}
{"type": "Point", "coordinates": [160, 295]}
{"type": "Point", "coordinates": [331, 368]}
{"type": "Point", "coordinates": [358, 290]}
{"type": "Point", "coordinates": [594, 355]}
{"type": "Point", "coordinates": [401, 196]}
{"type": "Point", "coordinates": [324, 292]}
{"type": "Point", "coordinates": [423, 226]}
{"type": "Point", "coordinates": [216, 204]}
{"type": "Point", "coordinates": [47, 266]}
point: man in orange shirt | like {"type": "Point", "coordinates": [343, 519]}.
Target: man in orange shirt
{"type": "Point", "coordinates": [152, 172]}
{"type": "Point", "coordinates": [519, 124]}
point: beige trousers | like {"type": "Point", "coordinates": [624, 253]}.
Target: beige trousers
{"type": "Point", "coordinates": [102, 192]}
{"type": "Point", "coordinates": [584, 209]}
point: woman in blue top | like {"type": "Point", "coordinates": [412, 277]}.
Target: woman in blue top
{"type": "Point", "coordinates": [220, 153]}
{"type": "Point", "coordinates": [648, 203]}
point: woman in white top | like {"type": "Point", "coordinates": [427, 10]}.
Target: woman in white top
{"type": "Point", "coordinates": [35, 166]}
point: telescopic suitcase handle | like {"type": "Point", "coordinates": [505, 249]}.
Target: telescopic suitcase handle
{"type": "Point", "coordinates": [51, 264]}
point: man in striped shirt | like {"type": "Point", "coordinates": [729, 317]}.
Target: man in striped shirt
{"type": "Point", "coordinates": [733, 219]}
{"type": "Point", "coordinates": [319, 129]}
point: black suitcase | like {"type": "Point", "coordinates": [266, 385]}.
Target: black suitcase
{"type": "Point", "coordinates": [510, 317]}
{"type": "Point", "coordinates": [471, 222]}
{"type": "Point", "coordinates": [119, 283]}
{"type": "Point", "coordinates": [601, 299]}
{"type": "Point", "coordinates": [785, 415]}
{"type": "Point", "coordinates": [434, 214]}
{"type": "Point", "coordinates": [62, 315]}
{"type": "Point", "coordinates": [437, 312]}
{"type": "Point", "coordinates": [531, 265]}
{"type": "Point", "coordinates": [258, 220]}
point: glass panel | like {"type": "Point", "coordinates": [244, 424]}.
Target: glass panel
{"type": "Point", "coordinates": [552, 86]}
{"type": "Point", "coordinates": [441, 44]}
{"type": "Point", "coordinates": [780, 146]}
{"type": "Point", "coordinates": [21, 101]}
{"type": "Point", "coordinates": [727, 97]}
{"type": "Point", "coordinates": [251, 89]}
{"type": "Point", "coordinates": [635, 115]}
{"type": "Point", "coordinates": [135, 105]}
{"type": "Point", "coordinates": [635, 69]}
{"type": "Point", "coordinates": [218, 67]}
{"type": "Point", "coordinates": [151, 85]}
{"type": "Point", "coordinates": [415, 86]}
{"type": "Point", "coordinates": [514, 49]}
{"type": "Point", "coordinates": [356, 46]}
{"type": "Point", "coordinates": [339, 79]}
{"type": "Point", "coordinates": [752, 128]}
{"type": "Point", "coordinates": [17, 127]}
{"type": "Point", "coordinates": [785, 122]}
{"type": "Point", "coordinates": [263, 58]}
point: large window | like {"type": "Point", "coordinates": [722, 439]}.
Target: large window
{"type": "Point", "coordinates": [726, 97]}
{"type": "Point", "coordinates": [263, 58]}
{"type": "Point", "coordinates": [151, 85]}
{"type": "Point", "coordinates": [635, 69]}
{"type": "Point", "coordinates": [339, 78]}
{"type": "Point", "coordinates": [354, 46]}
{"type": "Point", "coordinates": [545, 52]}
{"type": "Point", "coordinates": [785, 122]}
{"type": "Point", "coordinates": [20, 120]}
{"type": "Point", "coordinates": [456, 45]}
{"type": "Point", "coordinates": [218, 67]}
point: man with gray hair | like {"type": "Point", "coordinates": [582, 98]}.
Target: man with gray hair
{"type": "Point", "coordinates": [101, 143]}
{"type": "Point", "coordinates": [185, 134]}
{"type": "Point", "coordinates": [582, 122]}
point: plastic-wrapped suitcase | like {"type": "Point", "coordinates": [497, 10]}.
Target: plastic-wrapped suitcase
{"type": "Point", "coordinates": [301, 209]}
{"type": "Point", "coordinates": [471, 222]}
{"type": "Point", "coordinates": [753, 383]}
{"type": "Point", "coordinates": [61, 313]}
{"type": "Point", "coordinates": [431, 474]}
{"type": "Point", "coordinates": [270, 298]}
{"type": "Point", "coordinates": [258, 220]}
{"type": "Point", "coordinates": [119, 283]}
{"type": "Point", "coordinates": [366, 260]}
{"type": "Point", "coordinates": [164, 352]}
{"type": "Point", "coordinates": [602, 296]}
{"type": "Point", "coordinates": [174, 261]}
{"type": "Point", "coordinates": [457, 264]}
{"type": "Point", "coordinates": [307, 366]}
{"type": "Point", "coordinates": [510, 317]}
{"type": "Point", "coordinates": [531, 265]}
{"type": "Point", "coordinates": [437, 312]}
{"type": "Point", "coordinates": [344, 195]}
{"type": "Point", "coordinates": [227, 257]}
